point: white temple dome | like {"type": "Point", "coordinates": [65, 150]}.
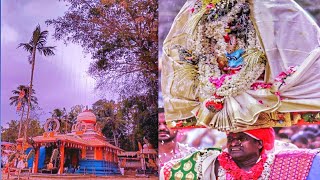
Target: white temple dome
{"type": "Point", "coordinates": [87, 116]}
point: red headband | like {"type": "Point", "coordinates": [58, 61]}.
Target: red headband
{"type": "Point", "coordinates": [266, 135]}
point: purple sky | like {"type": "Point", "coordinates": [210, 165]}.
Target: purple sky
{"type": "Point", "coordinates": [60, 80]}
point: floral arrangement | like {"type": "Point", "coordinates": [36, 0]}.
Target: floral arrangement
{"type": "Point", "coordinates": [231, 58]}
{"type": "Point", "coordinates": [223, 60]}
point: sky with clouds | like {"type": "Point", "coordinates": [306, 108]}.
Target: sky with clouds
{"type": "Point", "coordinates": [60, 80]}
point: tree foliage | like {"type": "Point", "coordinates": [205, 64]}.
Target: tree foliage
{"type": "Point", "coordinates": [127, 122]}
{"type": "Point", "coordinates": [14, 100]}
{"type": "Point", "coordinates": [35, 128]}
{"type": "Point", "coordinates": [20, 100]}
{"type": "Point", "coordinates": [67, 119]}
{"type": "Point", "coordinates": [62, 116]}
{"type": "Point", "coordinates": [122, 37]}
{"type": "Point", "coordinates": [10, 134]}
{"type": "Point", "coordinates": [112, 124]}
{"type": "Point", "coordinates": [74, 112]}
{"type": "Point", "coordinates": [143, 118]}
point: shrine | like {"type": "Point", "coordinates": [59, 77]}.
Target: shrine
{"type": "Point", "coordinates": [84, 150]}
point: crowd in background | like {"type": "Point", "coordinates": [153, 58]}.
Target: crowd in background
{"type": "Point", "coordinates": [303, 136]}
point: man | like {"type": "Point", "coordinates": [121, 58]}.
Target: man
{"type": "Point", "coordinates": [168, 146]}
{"type": "Point", "coordinates": [249, 155]}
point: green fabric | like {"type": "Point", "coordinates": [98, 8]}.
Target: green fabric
{"type": "Point", "coordinates": [185, 168]}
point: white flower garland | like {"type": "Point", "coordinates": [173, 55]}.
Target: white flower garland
{"type": "Point", "coordinates": [217, 29]}
{"type": "Point", "coordinates": [242, 81]}
{"type": "Point", "coordinates": [199, 162]}
{"type": "Point", "coordinates": [209, 41]}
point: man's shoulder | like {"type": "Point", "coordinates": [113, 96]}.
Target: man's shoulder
{"type": "Point", "coordinates": [202, 153]}
{"type": "Point", "coordinates": [189, 166]}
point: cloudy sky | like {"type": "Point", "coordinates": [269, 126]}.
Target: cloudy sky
{"type": "Point", "coordinates": [60, 80]}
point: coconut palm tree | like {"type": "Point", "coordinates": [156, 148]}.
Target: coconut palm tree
{"type": "Point", "coordinates": [58, 113]}
{"type": "Point", "coordinates": [23, 100]}
{"type": "Point", "coordinates": [61, 115]}
{"type": "Point", "coordinates": [37, 43]}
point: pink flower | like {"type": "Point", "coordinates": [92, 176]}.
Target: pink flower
{"type": "Point", "coordinates": [260, 101]}
{"type": "Point", "coordinates": [269, 85]}
{"type": "Point", "coordinates": [209, 6]}
{"type": "Point", "coordinates": [192, 9]}
{"type": "Point", "coordinates": [278, 94]}
{"type": "Point", "coordinates": [261, 85]}
{"type": "Point", "coordinates": [278, 79]}
{"type": "Point", "coordinates": [217, 82]}
{"type": "Point", "coordinates": [282, 74]}
{"type": "Point", "coordinates": [292, 69]}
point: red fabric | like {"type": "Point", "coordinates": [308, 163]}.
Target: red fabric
{"type": "Point", "coordinates": [293, 164]}
{"type": "Point", "coordinates": [266, 135]}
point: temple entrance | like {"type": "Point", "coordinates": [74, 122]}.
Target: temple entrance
{"type": "Point", "coordinates": [51, 160]}
{"type": "Point", "coordinates": [71, 163]}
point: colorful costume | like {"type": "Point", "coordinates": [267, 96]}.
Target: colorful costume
{"type": "Point", "coordinates": [277, 163]}
{"type": "Point", "coordinates": [241, 64]}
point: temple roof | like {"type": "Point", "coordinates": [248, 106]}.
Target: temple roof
{"type": "Point", "coordinates": [73, 141]}
{"type": "Point", "coordinates": [87, 116]}
{"type": "Point", "coordinates": [85, 134]}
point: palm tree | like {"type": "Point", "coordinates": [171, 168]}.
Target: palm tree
{"type": "Point", "coordinates": [37, 42]}
{"type": "Point", "coordinates": [60, 114]}
{"type": "Point", "coordinates": [22, 98]}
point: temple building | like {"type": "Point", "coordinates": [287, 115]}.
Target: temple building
{"type": "Point", "coordinates": [84, 150]}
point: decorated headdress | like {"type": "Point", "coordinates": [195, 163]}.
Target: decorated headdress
{"type": "Point", "coordinates": [235, 65]}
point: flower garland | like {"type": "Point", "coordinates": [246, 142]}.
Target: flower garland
{"type": "Point", "coordinates": [224, 28]}
{"type": "Point", "coordinates": [216, 30]}
{"type": "Point", "coordinates": [264, 175]}
{"type": "Point", "coordinates": [204, 154]}
{"type": "Point", "coordinates": [241, 81]}
{"type": "Point", "coordinates": [235, 173]}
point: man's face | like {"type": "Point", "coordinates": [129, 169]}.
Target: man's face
{"type": "Point", "coordinates": [241, 146]}
{"type": "Point", "coordinates": [164, 133]}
